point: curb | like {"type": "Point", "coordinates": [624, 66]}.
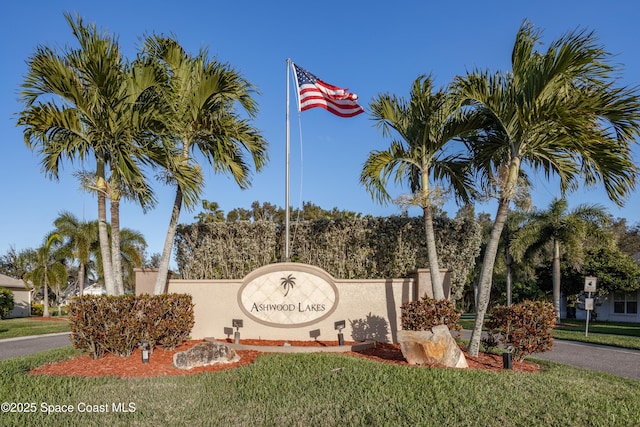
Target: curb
{"type": "Point", "coordinates": [28, 337]}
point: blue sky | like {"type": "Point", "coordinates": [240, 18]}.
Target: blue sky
{"type": "Point", "coordinates": [370, 47]}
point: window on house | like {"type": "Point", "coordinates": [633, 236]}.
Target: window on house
{"type": "Point", "coordinates": [625, 302]}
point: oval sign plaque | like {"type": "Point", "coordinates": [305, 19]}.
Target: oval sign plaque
{"type": "Point", "coordinates": [288, 295]}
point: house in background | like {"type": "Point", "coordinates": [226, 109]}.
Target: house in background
{"type": "Point", "coordinates": [94, 289]}
{"type": "Point", "coordinates": [619, 306]}
{"type": "Point", "coordinates": [21, 296]}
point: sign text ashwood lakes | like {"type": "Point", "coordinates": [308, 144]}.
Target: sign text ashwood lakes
{"type": "Point", "coordinates": [288, 295]}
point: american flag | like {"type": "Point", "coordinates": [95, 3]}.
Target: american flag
{"type": "Point", "coordinates": [316, 93]}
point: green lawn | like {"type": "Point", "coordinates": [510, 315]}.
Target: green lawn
{"type": "Point", "coordinates": [11, 328]}
{"type": "Point", "coordinates": [610, 328]}
{"type": "Point", "coordinates": [616, 334]}
{"type": "Point", "coordinates": [322, 390]}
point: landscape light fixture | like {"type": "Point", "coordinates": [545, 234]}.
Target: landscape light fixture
{"type": "Point", "coordinates": [314, 334]}
{"type": "Point", "coordinates": [145, 352]}
{"type": "Point", "coordinates": [339, 326]}
{"type": "Point", "coordinates": [228, 332]}
{"type": "Point", "coordinates": [507, 358]}
{"type": "Point", "coordinates": [236, 323]}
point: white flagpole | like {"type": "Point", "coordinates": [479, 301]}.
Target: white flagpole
{"type": "Point", "coordinates": [286, 177]}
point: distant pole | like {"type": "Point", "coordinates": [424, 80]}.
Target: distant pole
{"type": "Point", "coordinates": [286, 177]}
{"type": "Point", "coordinates": [586, 326]}
{"type": "Point", "coordinates": [589, 286]}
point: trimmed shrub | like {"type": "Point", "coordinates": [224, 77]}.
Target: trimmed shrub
{"type": "Point", "coordinates": [6, 303]}
{"type": "Point", "coordinates": [526, 327]}
{"type": "Point", "coordinates": [103, 324]}
{"type": "Point", "coordinates": [37, 309]}
{"type": "Point", "coordinates": [425, 314]}
{"type": "Point", "coordinates": [119, 324]}
{"type": "Point", "coordinates": [168, 319]}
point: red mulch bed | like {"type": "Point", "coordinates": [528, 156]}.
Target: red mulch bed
{"type": "Point", "coordinates": [161, 361]}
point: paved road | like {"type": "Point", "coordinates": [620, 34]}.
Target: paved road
{"type": "Point", "coordinates": [13, 347]}
{"type": "Point", "coordinates": [618, 361]}
{"type": "Point", "coordinates": [622, 362]}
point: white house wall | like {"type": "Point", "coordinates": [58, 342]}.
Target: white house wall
{"type": "Point", "coordinates": [21, 296]}
{"type": "Point", "coordinates": [605, 312]}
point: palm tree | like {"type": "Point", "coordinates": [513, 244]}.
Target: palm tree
{"type": "Point", "coordinates": [424, 124]}
{"type": "Point", "coordinates": [88, 103]}
{"type": "Point", "coordinates": [80, 237]}
{"type": "Point", "coordinates": [132, 248]}
{"type": "Point", "coordinates": [46, 269]}
{"type": "Point", "coordinates": [557, 111]}
{"type": "Point", "coordinates": [211, 213]}
{"type": "Point", "coordinates": [513, 225]}
{"type": "Point", "coordinates": [201, 99]}
{"type": "Point", "coordinates": [563, 232]}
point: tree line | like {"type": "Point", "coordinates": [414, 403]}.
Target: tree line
{"type": "Point", "coordinates": [559, 111]}
{"type": "Point", "coordinates": [70, 257]}
{"type": "Point", "coordinates": [584, 241]}
{"type": "Point", "coordinates": [351, 245]}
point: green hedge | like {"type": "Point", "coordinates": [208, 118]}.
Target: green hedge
{"type": "Point", "coordinates": [348, 248]}
{"type": "Point", "coordinates": [119, 324]}
{"type": "Point", "coordinates": [37, 309]}
{"type": "Point", "coordinates": [6, 303]}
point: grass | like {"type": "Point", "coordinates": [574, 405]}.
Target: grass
{"type": "Point", "coordinates": [21, 327]}
{"type": "Point", "coordinates": [324, 390]}
{"type": "Point", "coordinates": [616, 334]}
{"type": "Point", "coordinates": [611, 328]}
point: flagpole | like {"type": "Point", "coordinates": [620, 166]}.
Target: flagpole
{"type": "Point", "coordinates": [286, 177]}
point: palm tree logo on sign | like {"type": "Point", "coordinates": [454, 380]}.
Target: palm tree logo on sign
{"type": "Point", "coordinates": [287, 283]}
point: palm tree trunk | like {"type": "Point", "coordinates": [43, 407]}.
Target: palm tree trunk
{"type": "Point", "coordinates": [432, 254]}
{"type": "Point", "coordinates": [508, 262]}
{"type": "Point", "coordinates": [490, 254]}
{"type": "Point", "coordinates": [116, 255]}
{"type": "Point", "coordinates": [81, 279]}
{"type": "Point", "coordinates": [555, 273]}
{"type": "Point", "coordinates": [434, 268]}
{"type": "Point", "coordinates": [163, 268]}
{"type": "Point", "coordinates": [59, 300]}
{"type": "Point", "coordinates": [486, 276]}
{"type": "Point", "coordinates": [103, 232]}
{"type": "Point", "coordinates": [45, 310]}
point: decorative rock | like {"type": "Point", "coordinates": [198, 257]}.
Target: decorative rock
{"type": "Point", "coordinates": [435, 346]}
{"type": "Point", "coordinates": [204, 354]}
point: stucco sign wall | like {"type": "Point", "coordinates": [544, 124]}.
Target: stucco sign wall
{"type": "Point", "coordinates": [288, 295]}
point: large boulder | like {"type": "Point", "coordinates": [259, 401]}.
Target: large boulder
{"type": "Point", "coordinates": [204, 354]}
{"type": "Point", "coordinates": [428, 347]}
